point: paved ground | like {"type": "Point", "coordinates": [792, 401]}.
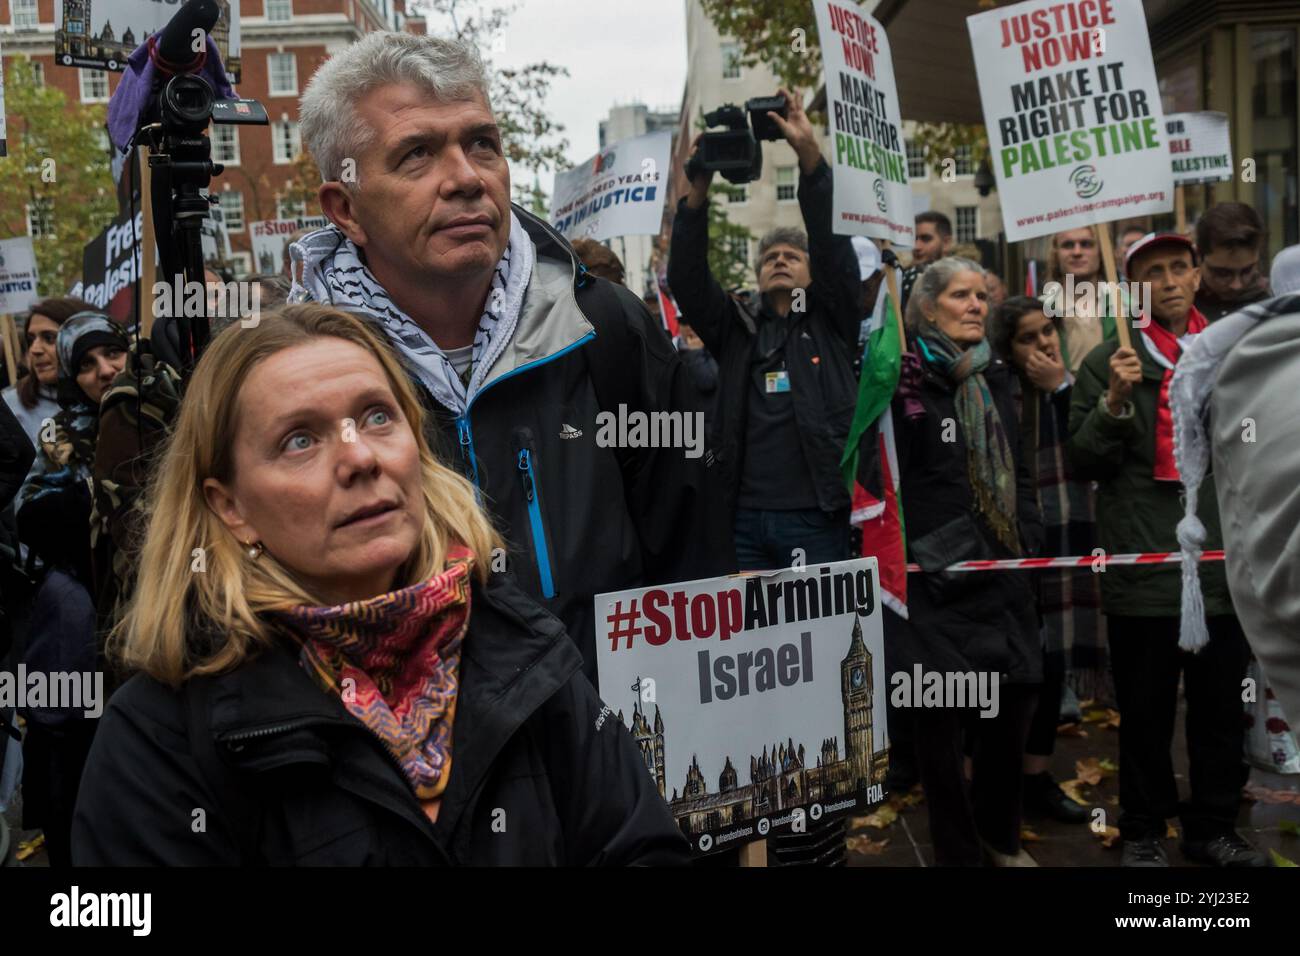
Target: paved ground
{"type": "Point", "coordinates": [1056, 844]}
{"type": "Point", "coordinates": [906, 840]}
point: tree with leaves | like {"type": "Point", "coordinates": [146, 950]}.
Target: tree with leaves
{"type": "Point", "coordinates": [728, 242]}
{"type": "Point", "coordinates": [782, 36]}
{"type": "Point", "coordinates": [58, 168]}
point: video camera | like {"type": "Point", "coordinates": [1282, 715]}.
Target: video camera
{"type": "Point", "coordinates": [174, 126]}
{"type": "Point", "coordinates": [735, 152]}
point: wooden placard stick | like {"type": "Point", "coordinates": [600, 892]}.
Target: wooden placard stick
{"type": "Point", "coordinates": [891, 280]}
{"type": "Point", "coordinates": [1112, 283]}
{"type": "Point", "coordinates": [148, 244]}
{"type": "Point", "coordinates": [1180, 209]}
{"type": "Point", "coordinates": [11, 345]}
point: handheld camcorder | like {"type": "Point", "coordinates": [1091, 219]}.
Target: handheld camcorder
{"type": "Point", "coordinates": [734, 151]}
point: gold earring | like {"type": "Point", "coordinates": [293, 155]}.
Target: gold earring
{"type": "Point", "coordinates": [254, 550]}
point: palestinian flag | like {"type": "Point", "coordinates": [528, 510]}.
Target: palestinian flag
{"type": "Point", "coordinates": [667, 308]}
{"type": "Point", "coordinates": [870, 461]}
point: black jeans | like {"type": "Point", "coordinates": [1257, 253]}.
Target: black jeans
{"type": "Point", "coordinates": [766, 540]}
{"type": "Point", "coordinates": [1146, 662]}
{"type": "Point", "coordinates": [989, 807]}
{"type": "Point", "coordinates": [1047, 715]}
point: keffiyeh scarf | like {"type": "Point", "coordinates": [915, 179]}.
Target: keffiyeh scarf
{"type": "Point", "coordinates": [394, 660]}
{"type": "Point", "coordinates": [329, 267]}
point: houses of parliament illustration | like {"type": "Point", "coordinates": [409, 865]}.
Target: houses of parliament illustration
{"type": "Point", "coordinates": [75, 41]}
{"type": "Point", "coordinates": [779, 777]}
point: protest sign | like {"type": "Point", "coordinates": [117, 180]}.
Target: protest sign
{"type": "Point", "coordinates": [618, 192]}
{"type": "Point", "coordinates": [17, 275]}
{"type": "Point", "coordinates": [1200, 147]}
{"type": "Point", "coordinates": [872, 195]}
{"type": "Point", "coordinates": [110, 266]}
{"type": "Point", "coordinates": [268, 237]}
{"type": "Point", "coordinates": [757, 702]}
{"type": "Point", "coordinates": [1072, 108]}
{"type": "Point", "coordinates": [102, 34]}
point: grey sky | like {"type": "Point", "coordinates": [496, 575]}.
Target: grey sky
{"type": "Point", "coordinates": [616, 51]}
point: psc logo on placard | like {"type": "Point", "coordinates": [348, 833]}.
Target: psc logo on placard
{"type": "Point", "coordinates": [1085, 181]}
{"type": "Point", "coordinates": [880, 195]}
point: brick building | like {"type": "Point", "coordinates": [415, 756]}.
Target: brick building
{"type": "Point", "coordinates": [282, 44]}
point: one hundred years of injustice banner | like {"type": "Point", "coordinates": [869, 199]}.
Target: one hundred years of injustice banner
{"type": "Point", "coordinates": [757, 702]}
{"type": "Point", "coordinates": [1072, 108]}
{"type": "Point", "coordinates": [872, 195]}
{"type": "Point", "coordinates": [618, 192]}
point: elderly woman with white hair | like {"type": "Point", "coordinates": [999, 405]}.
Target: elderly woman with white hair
{"type": "Point", "coordinates": [961, 464]}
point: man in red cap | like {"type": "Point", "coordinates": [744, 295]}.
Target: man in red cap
{"type": "Point", "coordinates": [1121, 435]}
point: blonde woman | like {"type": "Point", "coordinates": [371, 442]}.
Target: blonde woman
{"type": "Point", "coordinates": [330, 672]}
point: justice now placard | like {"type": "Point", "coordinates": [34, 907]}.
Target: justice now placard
{"type": "Point", "coordinates": [1072, 108]}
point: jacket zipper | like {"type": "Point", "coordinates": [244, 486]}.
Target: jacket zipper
{"type": "Point", "coordinates": [533, 496]}
{"type": "Point", "coordinates": [466, 438]}
{"type": "Point", "coordinates": [275, 729]}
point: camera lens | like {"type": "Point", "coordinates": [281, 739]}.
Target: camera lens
{"type": "Point", "coordinates": [189, 100]}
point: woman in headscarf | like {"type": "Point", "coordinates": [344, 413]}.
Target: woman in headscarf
{"type": "Point", "coordinates": [968, 497]}
{"type": "Point", "coordinates": [33, 398]}
{"type": "Point", "coordinates": [54, 523]}
{"type": "Point", "coordinates": [328, 665]}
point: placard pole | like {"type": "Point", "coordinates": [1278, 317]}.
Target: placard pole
{"type": "Point", "coordinates": [11, 345]}
{"type": "Point", "coordinates": [1102, 231]}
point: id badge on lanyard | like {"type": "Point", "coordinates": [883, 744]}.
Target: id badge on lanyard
{"type": "Point", "coordinates": [777, 382]}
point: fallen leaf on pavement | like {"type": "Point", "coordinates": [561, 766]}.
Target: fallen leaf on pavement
{"type": "Point", "coordinates": [1029, 836]}
{"type": "Point", "coordinates": [1265, 795]}
{"type": "Point", "coordinates": [1089, 771]}
{"type": "Point", "coordinates": [1289, 827]}
{"type": "Point", "coordinates": [1171, 831]}
{"type": "Point", "coordinates": [1108, 765]}
{"type": "Point", "coordinates": [1109, 837]}
{"type": "Point", "coordinates": [29, 848]}
{"type": "Point", "coordinates": [1279, 859]}
{"type": "Point", "coordinates": [1071, 730]}
{"type": "Point", "coordinates": [865, 845]}
{"type": "Point", "coordinates": [1074, 790]}
{"type": "Point", "coordinates": [880, 819]}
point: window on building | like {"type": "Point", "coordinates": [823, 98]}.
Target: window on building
{"type": "Point", "coordinates": [38, 73]}
{"type": "Point", "coordinates": [284, 141]}
{"type": "Point", "coordinates": [94, 86]}
{"type": "Point", "coordinates": [23, 15]}
{"type": "Point", "coordinates": [786, 183]}
{"type": "Point", "coordinates": [916, 166]}
{"type": "Point", "coordinates": [282, 70]}
{"type": "Point", "coordinates": [225, 144]}
{"type": "Point", "coordinates": [731, 61]}
{"type": "Point", "coordinates": [736, 194]}
{"type": "Point", "coordinates": [965, 166]}
{"type": "Point", "coordinates": [968, 223]}
{"type": "Point", "coordinates": [290, 209]}
{"type": "Point", "coordinates": [232, 209]}
{"type": "Point", "coordinates": [279, 10]}
{"type": "Point", "coordinates": [40, 218]}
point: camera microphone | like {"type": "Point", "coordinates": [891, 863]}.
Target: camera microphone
{"type": "Point", "coordinates": [176, 53]}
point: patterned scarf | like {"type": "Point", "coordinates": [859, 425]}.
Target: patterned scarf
{"type": "Point", "coordinates": [1166, 348]}
{"type": "Point", "coordinates": [329, 267]}
{"type": "Point", "coordinates": [989, 464]}
{"type": "Point", "coordinates": [401, 653]}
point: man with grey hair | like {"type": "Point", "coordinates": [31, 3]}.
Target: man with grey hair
{"type": "Point", "coordinates": [514, 346]}
{"type": "Point", "coordinates": [786, 387]}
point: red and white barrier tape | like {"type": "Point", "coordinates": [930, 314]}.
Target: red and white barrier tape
{"type": "Point", "coordinates": [1029, 564]}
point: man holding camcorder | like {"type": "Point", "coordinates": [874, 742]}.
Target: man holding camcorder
{"type": "Point", "coordinates": [785, 380]}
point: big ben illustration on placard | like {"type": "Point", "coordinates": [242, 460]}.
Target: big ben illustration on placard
{"type": "Point", "coordinates": [856, 689]}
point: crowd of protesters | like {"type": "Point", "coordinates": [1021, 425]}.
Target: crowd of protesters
{"type": "Point", "coordinates": [304, 623]}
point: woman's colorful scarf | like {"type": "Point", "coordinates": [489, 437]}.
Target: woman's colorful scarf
{"type": "Point", "coordinates": [991, 469]}
{"type": "Point", "coordinates": [394, 660]}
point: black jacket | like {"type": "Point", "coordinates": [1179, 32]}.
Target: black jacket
{"type": "Point", "coordinates": [819, 351]}
{"type": "Point", "coordinates": [970, 621]}
{"type": "Point", "coordinates": [542, 773]}
{"type": "Point", "coordinates": [581, 519]}
{"type": "Point", "coordinates": [16, 454]}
